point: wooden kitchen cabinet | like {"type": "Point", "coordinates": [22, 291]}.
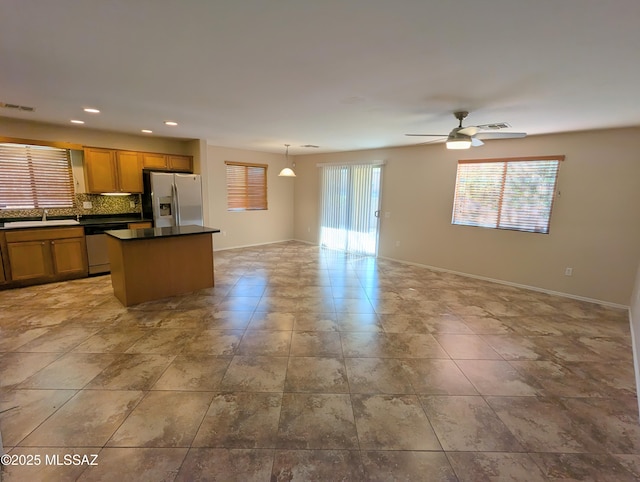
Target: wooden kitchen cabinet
{"type": "Point", "coordinates": [151, 160]}
{"type": "Point", "coordinates": [100, 170]}
{"type": "Point", "coordinates": [129, 168]}
{"type": "Point", "coordinates": [3, 248]}
{"type": "Point", "coordinates": [109, 170]}
{"type": "Point", "coordinates": [167, 162]}
{"type": "Point", "coordinates": [47, 254]}
{"type": "Point", "coordinates": [140, 225]}
{"type": "Point", "coordinates": [69, 256]}
{"type": "Point", "coordinates": [29, 260]}
{"type": "Point", "coordinates": [180, 163]}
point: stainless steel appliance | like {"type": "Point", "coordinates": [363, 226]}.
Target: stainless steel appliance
{"type": "Point", "coordinates": [97, 246]}
{"type": "Point", "coordinates": [172, 199]}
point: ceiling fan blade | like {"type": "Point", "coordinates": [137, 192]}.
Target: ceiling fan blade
{"type": "Point", "coordinates": [500, 135]}
{"type": "Point", "coordinates": [431, 141]}
{"type": "Point", "coordinates": [427, 135]}
{"type": "Point", "coordinates": [469, 131]}
{"type": "Point", "coordinates": [476, 142]}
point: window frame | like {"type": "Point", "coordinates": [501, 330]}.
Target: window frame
{"type": "Point", "coordinates": [29, 170]}
{"type": "Point", "coordinates": [496, 193]}
{"type": "Point", "coordinates": [243, 200]}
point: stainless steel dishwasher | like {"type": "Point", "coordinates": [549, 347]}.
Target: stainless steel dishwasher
{"type": "Point", "coordinates": [97, 246]}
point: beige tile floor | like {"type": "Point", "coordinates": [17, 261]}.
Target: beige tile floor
{"type": "Point", "coordinates": [306, 364]}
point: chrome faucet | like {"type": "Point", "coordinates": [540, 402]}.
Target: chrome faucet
{"type": "Point", "coordinates": [44, 214]}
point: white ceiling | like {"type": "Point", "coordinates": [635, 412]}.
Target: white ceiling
{"type": "Point", "coordinates": [342, 74]}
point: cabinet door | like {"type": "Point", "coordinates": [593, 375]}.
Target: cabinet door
{"type": "Point", "coordinates": [3, 278]}
{"type": "Point", "coordinates": [100, 170]}
{"type": "Point", "coordinates": [181, 163]}
{"type": "Point", "coordinates": [69, 256]}
{"type": "Point", "coordinates": [29, 260]}
{"type": "Point", "coordinates": [154, 161]}
{"type": "Point", "coordinates": [129, 171]}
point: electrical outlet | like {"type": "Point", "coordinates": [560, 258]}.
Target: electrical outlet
{"type": "Point", "coordinates": [397, 244]}
{"type": "Point", "coordinates": [308, 230]}
{"type": "Point", "coordinates": [132, 204]}
{"type": "Point", "coordinates": [87, 205]}
{"type": "Point", "coordinates": [568, 272]}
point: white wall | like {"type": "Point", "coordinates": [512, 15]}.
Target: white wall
{"type": "Point", "coordinates": [594, 225]}
{"type": "Point", "coordinates": [91, 137]}
{"type": "Point", "coordinates": [250, 227]}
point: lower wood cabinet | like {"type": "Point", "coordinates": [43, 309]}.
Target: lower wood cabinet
{"type": "Point", "coordinates": [3, 276]}
{"type": "Point", "coordinates": [47, 254]}
{"type": "Point", "coordinates": [140, 225]}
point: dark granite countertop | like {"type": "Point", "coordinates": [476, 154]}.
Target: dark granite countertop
{"type": "Point", "coordinates": [90, 220]}
{"type": "Point", "coordinates": [152, 233]}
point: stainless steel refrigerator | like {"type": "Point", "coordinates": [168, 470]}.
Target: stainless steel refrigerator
{"type": "Point", "coordinates": [173, 199]}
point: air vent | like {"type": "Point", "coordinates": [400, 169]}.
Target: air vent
{"type": "Point", "coordinates": [24, 108]}
{"type": "Point", "coordinates": [494, 127]}
{"type": "Point", "coordinates": [310, 145]}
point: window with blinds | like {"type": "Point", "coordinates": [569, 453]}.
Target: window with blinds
{"type": "Point", "coordinates": [35, 177]}
{"type": "Point", "coordinates": [246, 186]}
{"type": "Point", "coordinates": [514, 194]}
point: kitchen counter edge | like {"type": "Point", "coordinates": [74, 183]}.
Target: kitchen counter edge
{"type": "Point", "coordinates": [154, 233]}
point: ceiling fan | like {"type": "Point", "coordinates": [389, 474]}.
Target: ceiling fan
{"type": "Point", "coordinates": [466, 137]}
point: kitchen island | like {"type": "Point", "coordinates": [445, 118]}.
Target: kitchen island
{"type": "Point", "coordinates": [154, 263]}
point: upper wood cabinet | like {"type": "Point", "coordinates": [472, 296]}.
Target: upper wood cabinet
{"type": "Point", "coordinates": [100, 170]}
{"type": "Point", "coordinates": [129, 167]}
{"type": "Point", "coordinates": [151, 160]}
{"type": "Point", "coordinates": [109, 170]}
{"type": "Point", "coordinates": [169, 162]}
{"type": "Point", "coordinates": [181, 163]}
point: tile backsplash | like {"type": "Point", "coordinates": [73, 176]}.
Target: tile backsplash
{"type": "Point", "coordinates": [99, 205]}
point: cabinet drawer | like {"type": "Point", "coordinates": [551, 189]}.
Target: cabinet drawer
{"type": "Point", "coordinates": [140, 225]}
{"type": "Point", "coordinates": [43, 234]}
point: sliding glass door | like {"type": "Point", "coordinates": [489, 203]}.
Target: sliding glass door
{"type": "Point", "coordinates": [350, 207]}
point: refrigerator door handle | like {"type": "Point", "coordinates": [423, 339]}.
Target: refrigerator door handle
{"type": "Point", "coordinates": [177, 201]}
{"type": "Point", "coordinates": [174, 205]}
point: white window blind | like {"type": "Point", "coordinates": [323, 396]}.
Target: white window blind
{"type": "Point", "coordinates": [512, 194]}
{"type": "Point", "coordinates": [246, 186]}
{"type": "Point", "coordinates": [35, 177]}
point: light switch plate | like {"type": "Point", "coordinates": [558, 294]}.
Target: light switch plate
{"type": "Point", "coordinates": [87, 204]}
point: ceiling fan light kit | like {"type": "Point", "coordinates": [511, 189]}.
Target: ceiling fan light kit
{"type": "Point", "coordinates": [465, 137]}
{"type": "Point", "coordinates": [458, 143]}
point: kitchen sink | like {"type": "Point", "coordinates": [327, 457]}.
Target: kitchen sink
{"type": "Point", "coordinates": [36, 224]}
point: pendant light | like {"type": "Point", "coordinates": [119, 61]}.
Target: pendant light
{"type": "Point", "coordinates": [287, 171]}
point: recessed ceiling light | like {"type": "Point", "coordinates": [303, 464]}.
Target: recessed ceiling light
{"type": "Point", "coordinates": [75, 121]}
{"type": "Point", "coordinates": [147, 131]}
{"type": "Point", "coordinates": [91, 110]}
{"type": "Point", "coordinates": [170, 123]}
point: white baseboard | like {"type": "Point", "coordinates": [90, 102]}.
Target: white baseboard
{"type": "Point", "coordinates": [636, 356]}
{"type": "Point", "coordinates": [515, 285]}
{"type": "Point", "coordinates": [252, 245]}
